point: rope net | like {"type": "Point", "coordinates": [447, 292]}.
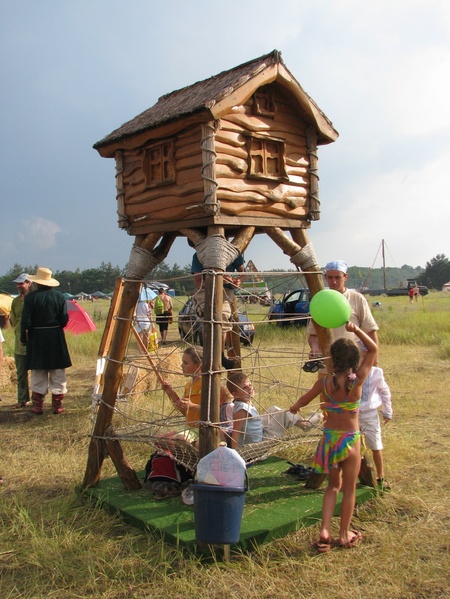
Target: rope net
{"type": "Point", "coordinates": [273, 351]}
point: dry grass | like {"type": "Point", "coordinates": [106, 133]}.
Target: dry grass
{"type": "Point", "coordinates": [52, 545]}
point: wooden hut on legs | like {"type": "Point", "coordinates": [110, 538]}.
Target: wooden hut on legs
{"type": "Point", "coordinates": [216, 162]}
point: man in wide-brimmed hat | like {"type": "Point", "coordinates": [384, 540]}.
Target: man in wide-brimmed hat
{"type": "Point", "coordinates": [23, 285]}
{"type": "Point", "coordinates": [44, 317]}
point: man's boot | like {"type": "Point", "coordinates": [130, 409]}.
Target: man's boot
{"type": "Point", "coordinates": [38, 400]}
{"type": "Point", "coordinates": [57, 404]}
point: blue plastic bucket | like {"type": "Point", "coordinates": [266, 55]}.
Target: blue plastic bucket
{"type": "Point", "coordinates": [218, 513]}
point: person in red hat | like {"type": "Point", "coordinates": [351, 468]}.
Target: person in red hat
{"type": "Point", "coordinates": [44, 317]}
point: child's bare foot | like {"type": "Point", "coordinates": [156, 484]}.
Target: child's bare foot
{"type": "Point", "coordinates": [352, 540]}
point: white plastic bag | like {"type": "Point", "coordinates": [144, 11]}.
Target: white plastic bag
{"type": "Point", "coordinates": [223, 467]}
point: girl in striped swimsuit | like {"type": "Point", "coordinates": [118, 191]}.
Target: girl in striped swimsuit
{"type": "Point", "coordinates": [339, 451]}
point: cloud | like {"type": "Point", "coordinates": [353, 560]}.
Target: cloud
{"type": "Point", "coordinates": [405, 207]}
{"type": "Point", "coordinates": [39, 233]}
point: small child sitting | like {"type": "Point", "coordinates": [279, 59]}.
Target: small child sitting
{"type": "Point", "coordinates": [247, 426]}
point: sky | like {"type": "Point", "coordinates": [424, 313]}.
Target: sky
{"type": "Point", "coordinates": [72, 72]}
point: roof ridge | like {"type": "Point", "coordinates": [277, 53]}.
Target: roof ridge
{"type": "Point", "coordinates": [276, 54]}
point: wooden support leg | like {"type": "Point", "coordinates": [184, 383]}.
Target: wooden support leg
{"type": "Point", "coordinates": [212, 353]}
{"type": "Point", "coordinates": [126, 473]}
{"type": "Point", "coordinates": [212, 364]}
{"type": "Point", "coordinates": [315, 480]}
{"type": "Point", "coordinates": [127, 301]}
{"type": "Point", "coordinates": [112, 378]}
{"type": "Point", "coordinates": [367, 473]}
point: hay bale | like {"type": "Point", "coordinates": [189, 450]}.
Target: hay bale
{"type": "Point", "coordinates": [140, 376]}
{"type": "Point", "coordinates": [8, 377]}
{"type": "Point", "coordinates": [141, 398]}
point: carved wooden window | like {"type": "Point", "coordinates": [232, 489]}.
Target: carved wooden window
{"type": "Point", "coordinates": [159, 164]}
{"type": "Point", "coordinates": [263, 101]}
{"type": "Point", "coordinates": [266, 158]}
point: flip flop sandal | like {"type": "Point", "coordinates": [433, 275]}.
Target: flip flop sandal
{"type": "Point", "coordinates": [324, 546]}
{"type": "Point", "coordinates": [167, 490]}
{"type": "Point", "coordinates": [293, 469]}
{"type": "Point", "coordinates": [304, 473]}
{"type": "Point", "coordinates": [297, 469]}
{"type": "Point", "coordinates": [357, 536]}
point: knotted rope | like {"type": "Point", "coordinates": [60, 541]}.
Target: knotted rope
{"type": "Point", "coordinates": [216, 252]}
{"type": "Point", "coordinates": [305, 258]}
{"type": "Point", "coordinates": [141, 262]}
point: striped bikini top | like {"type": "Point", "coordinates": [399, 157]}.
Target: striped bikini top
{"type": "Point", "coordinates": [342, 406]}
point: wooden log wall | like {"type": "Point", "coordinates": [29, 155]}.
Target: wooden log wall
{"type": "Point", "coordinates": [238, 194]}
{"type": "Point", "coordinates": [166, 203]}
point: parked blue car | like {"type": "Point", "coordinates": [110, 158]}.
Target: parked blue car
{"type": "Point", "coordinates": [293, 308]}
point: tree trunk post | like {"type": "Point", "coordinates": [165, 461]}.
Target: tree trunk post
{"type": "Point", "coordinates": [212, 352]}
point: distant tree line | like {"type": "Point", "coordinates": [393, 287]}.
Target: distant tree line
{"type": "Point", "coordinates": [103, 278]}
{"type": "Point", "coordinates": [436, 273]}
{"type": "Point", "coordinates": [377, 278]}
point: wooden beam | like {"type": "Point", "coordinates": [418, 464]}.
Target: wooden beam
{"type": "Point", "coordinates": [149, 241]}
{"type": "Point", "coordinates": [122, 220]}
{"type": "Point", "coordinates": [110, 322]}
{"type": "Point", "coordinates": [243, 238]}
{"type": "Point", "coordinates": [112, 378]}
{"type": "Point", "coordinates": [108, 333]}
{"type": "Point", "coordinates": [194, 235]}
{"type": "Point", "coordinates": [212, 353]}
{"type": "Point", "coordinates": [126, 473]}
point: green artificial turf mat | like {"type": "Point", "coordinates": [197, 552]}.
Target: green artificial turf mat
{"type": "Point", "coordinates": [275, 504]}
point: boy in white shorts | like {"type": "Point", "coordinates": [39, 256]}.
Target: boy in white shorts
{"type": "Point", "coordinates": [375, 394]}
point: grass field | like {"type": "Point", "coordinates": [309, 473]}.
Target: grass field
{"type": "Point", "coordinates": [55, 546]}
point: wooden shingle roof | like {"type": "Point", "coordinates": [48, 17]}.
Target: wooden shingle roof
{"type": "Point", "coordinates": [215, 94]}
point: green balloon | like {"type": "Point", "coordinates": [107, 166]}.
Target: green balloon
{"type": "Point", "coordinates": [330, 309]}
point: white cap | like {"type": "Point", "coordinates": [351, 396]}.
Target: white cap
{"type": "Point", "coordinates": [22, 278]}
{"type": "Point", "coordinates": [337, 265]}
